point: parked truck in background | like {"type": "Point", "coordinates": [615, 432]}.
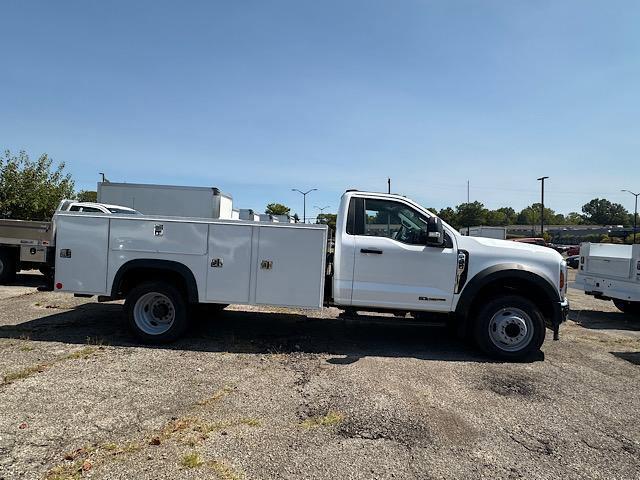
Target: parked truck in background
{"type": "Point", "coordinates": [26, 245]}
{"type": "Point", "coordinates": [168, 200]}
{"type": "Point", "coordinates": [391, 255]}
{"type": "Point", "coordinates": [611, 272]}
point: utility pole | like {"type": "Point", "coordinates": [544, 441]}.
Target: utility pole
{"type": "Point", "coordinates": [468, 201]}
{"type": "Point", "coordinates": [542, 179]}
{"type": "Point", "coordinates": [635, 214]}
{"type": "Point", "coordinates": [304, 202]}
{"type": "Point", "coordinates": [388, 185]}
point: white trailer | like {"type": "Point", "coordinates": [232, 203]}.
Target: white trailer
{"type": "Point", "coordinates": [168, 200]}
{"type": "Point", "coordinates": [483, 231]}
{"type": "Point", "coordinates": [390, 255]}
{"type": "Point", "coordinates": [611, 272]}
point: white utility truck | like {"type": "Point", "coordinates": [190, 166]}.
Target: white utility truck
{"type": "Point", "coordinates": [168, 200]}
{"type": "Point", "coordinates": [27, 244]}
{"type": "Point", "coordinates": [391, 255]}
{"type": "Point", "coordinates": [611, 272]}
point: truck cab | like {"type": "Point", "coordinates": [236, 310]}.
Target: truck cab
{"type": "Point", "coordinates": [392, 254]}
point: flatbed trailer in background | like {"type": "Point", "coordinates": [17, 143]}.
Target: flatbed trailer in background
{"type": "Point", "coordinates": [25, 244]}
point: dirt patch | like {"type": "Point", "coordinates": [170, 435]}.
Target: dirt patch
{"type": "Point", "coordinates": [510, 385]}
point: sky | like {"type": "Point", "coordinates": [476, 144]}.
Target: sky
{"type": "Point", "coordinates": [259, 97]}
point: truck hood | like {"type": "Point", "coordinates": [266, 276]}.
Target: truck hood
{"type": "Point", "coordinates": [508, 250]}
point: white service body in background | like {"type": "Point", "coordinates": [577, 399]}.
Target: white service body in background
{"type": "Point", "coordinates": [168, 200]}
{"type": "Point", "coordinates": [610, 270]}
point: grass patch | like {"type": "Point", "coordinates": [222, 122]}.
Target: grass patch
{"type": "Point", "coordinates": [224, 471]}
{"type": "Point", "coordinates": [83, 353]}
{"type": "Point", "coordinates": [66, 471]}
{"type": "Point", "coordinates": [115, 449]}
{"type": "Point", "coordinates": [191, 431]}
{"type": "Point", "coordinates": [26, 348]}
{"type": "Point", "coordinates": [223, 392]}
{"type": "Point", "coordinates": [24, 373]}
{"type": "Point", "coordinates": [191, 460]}
{"type": "Point", "coordinates": [333, 417]}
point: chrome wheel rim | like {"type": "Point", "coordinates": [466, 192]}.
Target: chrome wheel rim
{"type": "Point", "coordinates": [154, 313]}
{"type": "Point", "coordinates": [510, 329]}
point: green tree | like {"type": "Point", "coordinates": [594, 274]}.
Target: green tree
{"type": "Point", "coordinates": [510, 213]}
{"type": "Point", "coordinates": [531, 215]}
{"type": "Point", "coordinates": [87, 196]}
{"type": "Point", "coordinates": [496, 218]}
{"type": "Point", "coordinates": [574, 218]}
{"type": "Point", "coordinates": [31, 189]}
{"type": "Point", "coordinates": [601, 211]}
{"type": "Point", "coordinates": [327, 219]}
{"type": "Point", "coordinates": [448, 215]}
{"type": "Point", "coordinates": [277, 209]}
{"type": "Point", "coordinates": [470, 214]}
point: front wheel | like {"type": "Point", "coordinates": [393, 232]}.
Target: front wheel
{"type": "Point", "coordinates": [157, 312]}
{"type": "Point", "coordinates": [627, 307]}
{"type": "Point", "coordinates": [509, 327]}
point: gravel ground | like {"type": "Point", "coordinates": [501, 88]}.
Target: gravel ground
{"type": "Point", "coordinates": [268, 393]}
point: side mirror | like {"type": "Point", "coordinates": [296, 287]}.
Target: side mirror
{"type": "Point", "coordinates": [435, 232]}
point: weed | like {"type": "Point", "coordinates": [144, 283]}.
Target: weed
{"type": "Point", "coordinates": [115, 449]}
{"type": "Point", "coordinates": [191, 460]}
{"type": "Point", "coordinates": [224, 471]}
{"type": "Point", "coordinates": [65, 471]}
{"type": "Point", "coordinates": [26, 348]}
{"type": "Point", "coordinates": [83, 353]}
{"type": "Point", "coordinates": [333, 417]}
{"type": "Point", "coordinates": [223, 392]}
{"type": "Point", "coordinates": [24, 373]}
{"type": "Point", "coordinates": [96, 341]}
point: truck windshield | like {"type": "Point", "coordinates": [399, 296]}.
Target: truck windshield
{"type": "Point", "coordinates": [122, 210]}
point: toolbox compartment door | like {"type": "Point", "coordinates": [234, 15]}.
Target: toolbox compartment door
{"type": "Point", "coordinates": [229, 263]}
{"type": "Point", "coordinates": [290, 266]}
{"type": "Point", "coordinates": [82, 246]}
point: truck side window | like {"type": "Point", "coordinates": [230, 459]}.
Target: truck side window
{"type": "Point", "coordinates": [75, 208]}
{"type": "Point", "coordinates": [386, 218]}
{"type": "Point", "coordinates": [355, 221]}
{"type": "Point", "coordinates": [91, 210]}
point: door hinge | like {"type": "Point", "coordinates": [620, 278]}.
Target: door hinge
{"type": "Point", "coordinates": [158, 230]}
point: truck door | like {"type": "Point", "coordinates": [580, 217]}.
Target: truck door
{"type": "Point", "coordinates": [392, 267]}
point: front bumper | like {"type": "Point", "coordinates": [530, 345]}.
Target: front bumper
{"type": "Point", "coordinates": [560, 315]}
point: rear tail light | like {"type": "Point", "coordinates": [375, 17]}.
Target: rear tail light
{"type": "Point", "coordinates": [562, 279]}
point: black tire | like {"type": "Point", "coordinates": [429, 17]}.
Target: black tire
{"type": "Point", "coordinates": [488, 334]}
{"type": "Point", "coordinates": [626, 306]}
{"type": "Point", "coordinates": [7, 266]}
{"type": "Point", "coordinates": [169, 302]}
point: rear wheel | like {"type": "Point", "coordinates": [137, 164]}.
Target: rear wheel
{"type": "Point", "coordinates": [7, 266]}
{"type": "Point", "coordinates": [157, 312]}
{"type": "Point", "coordinates": [509, 327]}
{"type": "Point", "coordinates": [628, 307]}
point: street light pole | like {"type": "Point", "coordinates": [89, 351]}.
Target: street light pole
{"type": "Point", "coordinates": [322, 209]}
{"type": "Point", "coordinates": [542, 179]}
{"type": "Point", "coordinates": [304, 202]}
{"type": "Point", "coordinates": [635, 214]}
